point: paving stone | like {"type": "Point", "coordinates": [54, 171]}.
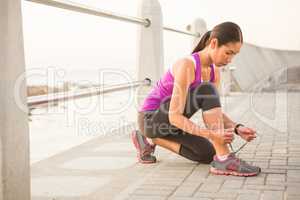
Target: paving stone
{"type": "Point", "coordinates": [276, 177]}
{"type": "Point", "coordinates": [214, 179]}
{"type": "Point", "coordinates": [68, 186]}
{"type": "Point", "coordinates": [265, 187]}
{"type": "Point", "coordinates": [187, 198]}
{"type": "Point", "coordinates": [152, 197]}
{"type": "Point", "coordinates": [99, 163]}
{"type": "Point", "coordinates": [185, 191]}
{"type": "Point", "coordinates": [289, 197]}
{"type": "Point", "coordinates": [248, 196]}
{"type": "Point", "coordinates": [272, 195]}
{"type": "Point", "coordinates": [150, 192]}
{"type": "Point", "coordinates": [215, 195]}
{"type": "Point", "coordinates": [255, 181]}
{"type": "Point", "coordinates": [278, 162]}
{"type": "Point", "coordinates": [209, 187]}
{"type": "Point", "coordinates": [235, 184]}
{"type": "Point", "coordinates": [291, 190]}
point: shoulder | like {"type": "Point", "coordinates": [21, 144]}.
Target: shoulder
{"type": "Point", "coordinates": [184, 65]}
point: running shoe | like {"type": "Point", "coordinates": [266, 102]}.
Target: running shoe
{"type": "Point", "coordinates": [233, 166]}
{"type": "Point", "coordinates": [143, 147]}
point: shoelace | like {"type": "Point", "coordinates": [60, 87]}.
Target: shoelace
{"type": "Point", "coordinates": [147, 150]}
{"type": "Point", "coordinates": [240, 148]}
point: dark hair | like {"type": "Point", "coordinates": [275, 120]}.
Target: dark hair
{"type": "Point", "coordinates": [225, 32]}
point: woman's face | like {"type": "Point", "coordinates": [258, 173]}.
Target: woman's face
{"type": "Point", "coordinates": [223, 55]}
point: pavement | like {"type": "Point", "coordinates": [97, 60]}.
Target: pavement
{"type": "Point", "coordinates": [105, 168]}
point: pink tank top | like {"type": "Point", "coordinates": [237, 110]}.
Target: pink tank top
{"type": "Point", "coordinates": [163, 89]}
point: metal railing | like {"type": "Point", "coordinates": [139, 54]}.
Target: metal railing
{"type": "Point", "coordinates": [37, 101]}
{"type": "Point", "coordinates": [183, 32]}
{"type": "Point", "coordinates": [77, 7]}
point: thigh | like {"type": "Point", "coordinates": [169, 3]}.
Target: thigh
{"type": "Point", "coordinates": [199, 145]}
{"type": "Point", "coordinates": [204, 96]}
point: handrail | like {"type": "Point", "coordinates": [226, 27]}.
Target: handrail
{"type": "Point", "coordinates": [196, 34]}
{"type": "Point", "coordinates": [35, 101]}
{"type": "Point", "coordinates": [77, 7]}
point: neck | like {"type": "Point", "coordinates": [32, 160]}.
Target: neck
{"type": "Point", "coordinates": [205, 59]}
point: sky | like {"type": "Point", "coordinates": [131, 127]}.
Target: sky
{"type": "Point", "coordinates": [65, 39]}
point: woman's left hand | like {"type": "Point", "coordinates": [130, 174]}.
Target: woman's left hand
{"type": "Point", "coordinates": [246, 133]}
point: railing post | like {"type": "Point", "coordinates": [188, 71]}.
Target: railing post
{"type": "Point", "coordinates": [150, 45]}
{"type": "Point", "coordinates": [14, 131]}
{"type": "Point", "coordinates": [198, 26]}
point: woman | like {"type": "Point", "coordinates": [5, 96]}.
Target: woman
{"type": "Point", "coordinates": [189, 85]}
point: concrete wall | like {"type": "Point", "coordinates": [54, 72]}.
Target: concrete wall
{"type": "Point", "coordinates": [256, 64]}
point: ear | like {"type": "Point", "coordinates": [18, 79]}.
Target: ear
{"type": "Point", "coordinates": [214, 43]}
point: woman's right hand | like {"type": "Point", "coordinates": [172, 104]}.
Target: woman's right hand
{"type": "Point", "coordinates": [225, 136]}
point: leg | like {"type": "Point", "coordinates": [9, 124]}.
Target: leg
{"type": "Point", "coordinates": [168, 144]}
{"type": "Point", "coordinates": [192, 147]}
{"type": "Point", "coordinates": [156, 125]}
{"type": "Point", "coordinates": [213, 119]}
{"type": "Point", "coordinates": [206, 97]}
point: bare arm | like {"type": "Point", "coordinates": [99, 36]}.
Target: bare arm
{"type": "Point", "coordinates": [184, 74]}
{"type": "Point", "coordinates": [228, 123]}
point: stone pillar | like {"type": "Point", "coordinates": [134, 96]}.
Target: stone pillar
{"type": "Point", "coordinates": [199, 26]}
{"type": "Point", "coordinates": [14, 131]}
{"type": "Point", "coordinates": [150, 45]}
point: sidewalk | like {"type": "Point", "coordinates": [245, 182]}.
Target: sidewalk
{"type": "Point", "coordinates": [106, 168]}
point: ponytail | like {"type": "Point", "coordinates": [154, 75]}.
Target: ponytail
{"type": "Point", "coordinates": [225, 32]}
{"type": "Point", "coordinates": [203, 42]}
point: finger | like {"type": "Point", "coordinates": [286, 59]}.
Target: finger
{"type": "Point", "coordinates": [228, 136]}
{"type": "Point", "coordinates": [251, 138]}
{"type": "Point", "coordinates": [228, 133]}
{"type": "Point", "coordinates": [228, 141]}
{"type": "Point", "coordinates": [252, 130]}
{"type": "Point", "coordinates": [251, 134]}
{"type": "Point", "coordinates": [248, 130]}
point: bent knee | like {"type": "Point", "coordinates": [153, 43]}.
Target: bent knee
{"type": "Point", "coordinates": [207, 89]}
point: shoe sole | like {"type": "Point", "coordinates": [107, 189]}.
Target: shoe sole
{"type": "Point", "coordinates": [134, 140]}
{"type": "Point", "coordinates": [234, 173]}
{"type": "Point", "coordinates": [145, 162]}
